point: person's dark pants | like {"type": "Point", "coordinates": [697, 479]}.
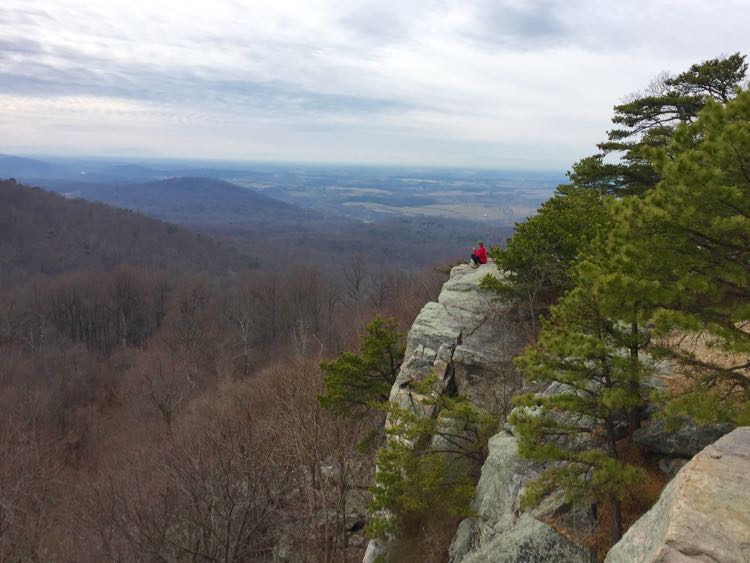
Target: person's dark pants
{"type": "Point", "coordinates": [475, 259]}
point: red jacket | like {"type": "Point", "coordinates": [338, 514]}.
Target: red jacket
{"type": "Point", "coordinates": [481, 253]}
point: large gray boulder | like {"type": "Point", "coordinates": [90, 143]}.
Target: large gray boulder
{"type": "Point", "coordinates": [375, 551]}
{"type": "Point", "coordinates": [529, 541]}
{"type": "Point", "coordinates": [496, 500]}
{"type": "Point", "coordinates": [500, 532]}
{"type": "Point", "coordinates": [703, 514]}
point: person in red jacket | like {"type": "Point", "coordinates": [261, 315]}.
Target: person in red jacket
{"type": "Point", "coordinates": [479, 255]}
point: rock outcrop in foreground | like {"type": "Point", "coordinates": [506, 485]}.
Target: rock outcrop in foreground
{"type": "Point", "coordinates": [468, 340]}
{"type": "Point", "coordinates": [702, 515]}
{"type": "Point", "coordinates": [501, 533]}
{"type": "Point", "coordinates": [465, 340]}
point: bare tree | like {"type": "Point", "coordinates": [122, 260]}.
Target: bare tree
{"type": "Point", "coordinates": [28, 487]}
{"type": "Point", "coordinates": [355, 275]}
{"type": "Point", "coordinates": [212, 498]}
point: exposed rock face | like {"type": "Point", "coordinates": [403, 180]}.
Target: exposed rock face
{"type": "Point", "coordinates": [467, 342]}
{"type": "Point", "coordinates": [702, 515]}
{"type": "Point", "coordinates": [528, 541]}
{"type": "Point", "coordinates": [375, 550]}
{"type": "Point", "coordinates": [465, 339]}
{"type": "Point", "coordinates": [500, 532]}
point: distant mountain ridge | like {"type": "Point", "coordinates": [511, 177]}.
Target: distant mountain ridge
{"type": "Point", "coordinates": [190, 200]}
{"type": "Point", "coordinates": [314, 215]}
{"type": "Point", "coordinates": [23, 168]}
{"type": "Point", "coordinates": [43, 233]}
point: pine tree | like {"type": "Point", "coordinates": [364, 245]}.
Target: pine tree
{"type": "Point", "coordinates": [538, 258]}
{"type": "Point", "coordinates": [425, 469]}
{"type": "Point", "coordinates": [626, 290]}
{"type": "Point", "coordinates": [576, 425]}
{"type": "Point", "coordinates": [354, 381]}
{"type": "Point", "coordinates": [649, 119]}
{"type": "Point", "coordinates": [689, 239]}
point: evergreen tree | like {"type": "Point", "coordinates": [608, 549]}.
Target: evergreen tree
{"type": "Point", "coordinates": [649, 118]}
{"type": "Point", "coordinates": [577, 424]}
{"type": "Point", "coordinates": [538, 257]}
{"type": "Point", "coordinates": [690, 241]}
{"type": "Point", "coordinates": [425, 469]}
{"type": "Point", "coordinates": [354, 381]}
{"type": "Point", "coordinates": [677, 258]}
{"type": "Point", "coordinates": [626, 291]}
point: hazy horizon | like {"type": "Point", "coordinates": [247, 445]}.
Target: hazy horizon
{"type": "Point", "coordinates": [237, 163]}
{"type": "Point", "coordinates": [491, 85]}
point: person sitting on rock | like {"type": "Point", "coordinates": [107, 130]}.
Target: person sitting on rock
{"type": "Point", "coordinates": [478, 255]}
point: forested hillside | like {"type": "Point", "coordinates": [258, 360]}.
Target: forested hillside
{"type": "Point", "coordinates": [196, 201]}
{"type": "Point", "coordinates": [273, 231]}
{"type": "Point", "coordinates": [140, 361]}
{"type": "Point", "coordinates": [43, 233]}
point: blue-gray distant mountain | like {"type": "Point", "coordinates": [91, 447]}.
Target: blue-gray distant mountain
{"type": "Point", "coordinates": [195, 201]}
{"type": "Point", "coordinates": [24, 169]}
{"type": "Point", "coordinates": [317, 214]}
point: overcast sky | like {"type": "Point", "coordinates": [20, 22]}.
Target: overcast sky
{"type": "Point", "coordinates": [503, 83]}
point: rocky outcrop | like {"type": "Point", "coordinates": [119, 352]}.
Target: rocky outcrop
{"type": "Point", "coordinates": [467, 341]}
{"type": "Point", "coordinates": [464, 339]}
{"type": "Point", "coordinates": [500, 532]}
{"type": "Point", "coordinates": [703, 514]}
{"type": "Point", "coordinates": [674, 443]}
{"type": "Point", "coordinates": [528, 541]}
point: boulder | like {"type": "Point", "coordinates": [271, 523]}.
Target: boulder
{"type": "Point", "coordinates": [496, 498]}
{"type": "Point", "coordinates": [375, 550]}
{"type": "Point", "coordinates": [703, 514]}
{"type": "Point", "coordinates": [529, 541]}
{"type": "Point", "coordinates": [465, 339]}
{"type": "Point", "coordinates": [500, 532]}
{"type": "Point", "coordinates": [498, 491]}
{"type": "Point", "coordinates": [683, 439]}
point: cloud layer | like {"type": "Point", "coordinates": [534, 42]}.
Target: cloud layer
{"type": "Point", "coordinates": [497, 83]}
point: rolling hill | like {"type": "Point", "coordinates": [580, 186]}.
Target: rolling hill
{"type": "Point", "coordinates": [43, 233]}
{"type": "Point", "coordinates": [189, 199]}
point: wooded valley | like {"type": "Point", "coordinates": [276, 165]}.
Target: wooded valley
{"type": "Point", "coordinates": [159, 390]}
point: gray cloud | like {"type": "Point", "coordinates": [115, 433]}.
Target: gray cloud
{"type": "Point", "coordinates": [527, 25]}
{"type": "Point", "coordinates": [24, 15]}
{"type": "Point", "coordinates": [377, 25]}
{"type": "Point", "coordinates": [20, 45]}
{"type": "Point", "coordinates": [72, 73]}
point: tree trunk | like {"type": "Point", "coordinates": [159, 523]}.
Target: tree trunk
{"type": "Point", "coordinates": [615, 531]}
{"type": "Point", "coordinates": [634, 422]}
